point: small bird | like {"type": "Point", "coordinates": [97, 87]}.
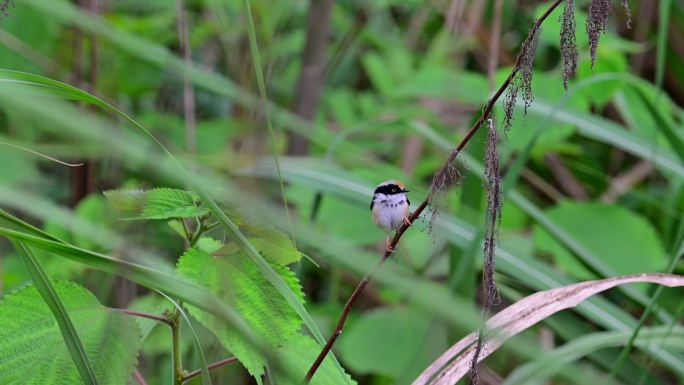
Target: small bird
{"type": "Point", "coordinates": [390, 207]}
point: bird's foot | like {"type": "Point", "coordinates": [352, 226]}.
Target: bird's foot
{"type": "Point", "coordinates": [388, 246]}
{"type": "Point", "coordinates": [407, 221]}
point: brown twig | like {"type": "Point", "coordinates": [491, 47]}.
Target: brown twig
{"type": "Point", "coordinates": [215, 365]}
{"type": "Point", "coordinates": [139, 378]}
{"type": "Point", "coordinates": [145, 315]}
{"type": "Point", "coordinates": [565, 178]}
{"type": "Point", "coordinates": [400, 231]}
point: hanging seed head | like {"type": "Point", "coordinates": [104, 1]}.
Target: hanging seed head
{"type": "Point", "coordinates": [447, 176]}
{"type": "Point", "coordinates": [568, 42]}
{"type": "Point", "coordinates": [597, 21]}
{"type": "Point", "coordinates": [628, 13]}
{"type": "Point", "coordinates": [5, 5]}
{"type": "Point", "coordinates": [493, 213]}
{"type": "Point", "coordinates": [522, 80]}
{"type": "Point", "coordinates": [444, 179]}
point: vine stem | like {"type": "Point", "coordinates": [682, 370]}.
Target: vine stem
{"type": "Point", "coordinates": [400, 231]}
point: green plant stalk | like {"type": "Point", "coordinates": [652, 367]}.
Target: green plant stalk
{"type": "Point", "coordinates": [204, 369]}
{"type": "Point", "coordinates": [44, 286]}
{"type": "Point", "coordinates": [176, 350]}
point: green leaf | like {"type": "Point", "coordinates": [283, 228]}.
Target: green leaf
{"type": "Point", "coordinates": [50, 297]}
{"type": "Point", "coordinates": [238, 282]}
{"type": "Point", "coordinates": [168, 203]}
{"type": "Point", "coordinates": [140, 274]}
{"type": "Point", "coordinates": [628, 243]}
{"type": "Point", "coordinates": [32, 349]}
{"type": "Point", "coordinates": [297, 355]}
{"type": "Point", "coordinates": [277, 246]}
{"type": "Point", "coordinates": [126, 200]}
{"type": "Point", "coordinates": [390, 342]}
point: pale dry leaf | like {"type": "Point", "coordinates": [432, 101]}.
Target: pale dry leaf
{"type": "Point", "coordinates": [451, 366]}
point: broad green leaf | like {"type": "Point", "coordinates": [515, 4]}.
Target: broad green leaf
{"type": "Point", "coordinates": [140, 274]}
{"type": "Point", "coordinates": [51, 298]}
{"type": "Point", "coordinates": [274, 243]}
{"type": "Point", "coordinates": [238, 282]}
{"type": "Point", "coordinates": [278, 248]}
{"type": "Point", "coordinates": [390, 342]}
{"type": "Point", "coordinates": [30, 335]}
{"type": "Point", "coordinates": [92, 208]}
{"type": "Point", "coordinates": [126, 200]}
{"type": "Point", "coordinates": [297, 355]}
{"type": "Point", "coordinates": [168, 203]}
{"type": "Point", "coordinates": [628, 243]}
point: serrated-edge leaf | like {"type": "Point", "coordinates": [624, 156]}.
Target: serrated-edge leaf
{"type": "Point", "coordinates": [239, 282]}
{"type": "Point", "coordinates": [126, 199]}
{"type": "Point", "coordinates": [168, 203]}
{"type": "Point", "coordinates": [66, 326]}
{"type": "Point", "coordinates": [33, 342]}
{"type": "Point", "coordinates": [142, 275]}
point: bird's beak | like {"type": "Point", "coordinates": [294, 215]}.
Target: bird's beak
{"type": "Point", "coordinates": [405, 190]}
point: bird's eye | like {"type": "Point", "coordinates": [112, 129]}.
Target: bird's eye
{"type": "Point", "coordinates": [394, 190]}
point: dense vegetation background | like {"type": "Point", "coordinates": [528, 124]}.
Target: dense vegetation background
{"type": "Point", "coordinates": [593, 187]}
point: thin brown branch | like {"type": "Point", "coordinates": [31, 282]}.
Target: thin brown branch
{"type": "Point", "coordinates": [541, 185]}
{"type": "Point", "coordinates": [215, 365]}
{"type": "Point", "coordinates": [145, 315]}
{"type": "Point", "coordinates": [139, 378]}
{"type": "Point", "coordinates": [565, 178]}
{"type": "Point", "coordinates": [623, 182]}
{"type": "Point", "coordinates": [400, 231]}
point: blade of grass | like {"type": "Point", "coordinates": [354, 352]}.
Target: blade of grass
{"type": "Point", "coordinates": [644, 317]}
{"type": "Point", "coordinates": [553, 361]}
{"type": "Point", "coordinates": [664, 7]}
{"type": "Point", "coordinates": [44, 286]}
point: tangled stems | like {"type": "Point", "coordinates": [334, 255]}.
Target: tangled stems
{"type": "Point", "coordinates": [434, 188]}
